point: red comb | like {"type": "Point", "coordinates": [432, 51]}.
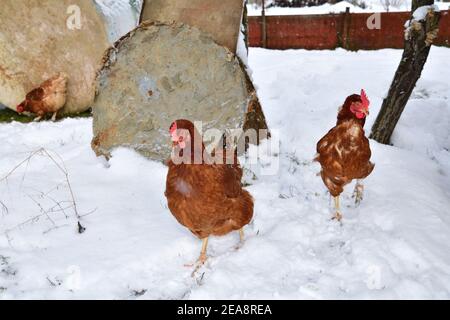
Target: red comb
{"type": "Point", "coordinates": [173, 127]}
{"type": "Point", "coordinates": [365, 101]}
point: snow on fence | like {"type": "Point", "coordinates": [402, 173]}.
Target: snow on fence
{"type": "Point", "coordinates": [345, 30]}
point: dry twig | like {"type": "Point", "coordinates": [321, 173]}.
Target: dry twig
{"type": "Point", "coordinates": [58, 204]}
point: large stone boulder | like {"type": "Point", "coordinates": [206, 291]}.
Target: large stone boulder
{"type": "Point", "coordinates": [39, 38]}
{"type": "Point", "coordinates": [221, 19]}
{"type": "Point", "coordinates": [162, 72]}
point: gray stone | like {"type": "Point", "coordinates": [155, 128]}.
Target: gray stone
{"type": "Point", "coordinates": [220, 19]}
{"type": "Point", "coordinates": [159, 73]}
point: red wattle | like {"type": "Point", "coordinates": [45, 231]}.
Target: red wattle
{"type": "Point", "coordinates": [360, 115]}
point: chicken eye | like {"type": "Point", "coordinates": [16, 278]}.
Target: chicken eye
{"type": "Point", "coordinates": [181, 139]}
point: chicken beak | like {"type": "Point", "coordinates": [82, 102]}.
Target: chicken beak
{"type": "Point", "coordinates": [366, 112]}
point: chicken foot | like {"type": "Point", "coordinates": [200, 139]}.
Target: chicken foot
{"type": "Point", "coordinates": [202, 259]}
{"type": "Point", "coordinates": [338, 215]}
{"type": "Point", "coordinates": [241, 239]}
{"type": "Point", "coordinates": [241, 234]}
{"type": "Point", "coordinates": [358, 193]}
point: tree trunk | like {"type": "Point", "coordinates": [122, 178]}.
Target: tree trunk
{"type": "Point", "coordinates": [245, 24]}
{"type": "Point", "coordinates": [264, 24]}
{"type": "Point", "coordinates": [255, 118]}
{"type": "Point", "coordinates": [418, 39]}
{"type": "Point", "coordinates": [141, 15]}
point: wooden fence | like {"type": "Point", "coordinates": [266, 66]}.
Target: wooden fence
{"type": "Point", "coordinates": [345, 30]}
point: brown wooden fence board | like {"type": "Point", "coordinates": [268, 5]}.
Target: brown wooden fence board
{"type": "Point", "coordinates": [329, 31]}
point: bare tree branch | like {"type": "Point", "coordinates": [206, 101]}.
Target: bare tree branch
{"type": "Point", "coordinates": [58, 161]}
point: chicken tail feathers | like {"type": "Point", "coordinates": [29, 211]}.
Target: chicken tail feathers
{"type": "Point", "coordinates": [242, 213]}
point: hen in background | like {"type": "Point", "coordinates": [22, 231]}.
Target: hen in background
{"type": "Point", "coordinates": [344, 152]}
{"type": "Point", "coordinates": [49, 97]}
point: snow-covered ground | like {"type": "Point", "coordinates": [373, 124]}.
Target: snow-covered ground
{"type": "Point", "coordinates": [396, 244]}
{"type": "Point", "coordinates": [121, 16]}
{"type": "Point", "coordinates": [355, 6]}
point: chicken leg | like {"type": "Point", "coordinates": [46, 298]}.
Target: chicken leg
{"type": "Point", "coordinates": [241, 234]}
{"type": "Point", "coordinates": [202, 259]}
{"type": "Point", "coordinates": [359, 192]}
{"type": "Point", "coordinates": [54, 116]}
{"type": "Point", "coordinates": [338, 215]}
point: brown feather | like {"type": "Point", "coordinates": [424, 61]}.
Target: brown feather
{"type": "Point", "coordinates": [49, 97]}
{"type": "Point", "coordinates": [206, 198]}
{"type": "Point", "coordinates": [344, 152]}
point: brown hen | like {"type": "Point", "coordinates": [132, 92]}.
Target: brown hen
{"type": "Point", "coordinates": [205, 197]}
{"type": "Point", "coordinates": [344, 152]}
{"type": "Point", "coordinates": [49, 97]}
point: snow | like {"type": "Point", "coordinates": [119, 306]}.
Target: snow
{"type": "Point", "coordinates": [396, 244]}
{"type": "Point", "coordinates": [322, 9]}
{"type": "Point", "coordinates": [369, 6]}
{"type": "Point", "coordinates": [121, 16]}
{"type": "Point", "coordinates": [241, 48]}
{"type": "Point", "coordinates": [421, 12]}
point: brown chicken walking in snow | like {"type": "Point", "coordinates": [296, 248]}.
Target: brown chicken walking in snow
{"type": "Point", "coordinates": [205, 197]}
{"type": "Point", "coordinates": [49, 97]}
{"type": "Point", "coordinates": [344, 152]}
